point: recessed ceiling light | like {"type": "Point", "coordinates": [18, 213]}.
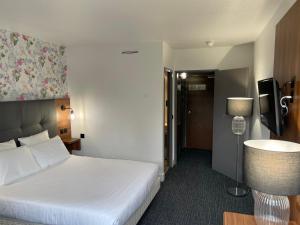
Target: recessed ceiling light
{"type": "Point", "coordinates": [210, 43]}
{"type": "Point", "coordinates": [129, 52]}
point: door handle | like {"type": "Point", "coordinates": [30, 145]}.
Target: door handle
{"type": "Point", "coordinates": [189, 112]}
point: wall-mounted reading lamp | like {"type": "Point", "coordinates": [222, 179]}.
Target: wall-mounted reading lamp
{"type": "Point", "coordinates": [72, 115]}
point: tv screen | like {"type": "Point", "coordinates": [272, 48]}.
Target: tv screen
{"type": "Point", "coordinates": [270, 112]}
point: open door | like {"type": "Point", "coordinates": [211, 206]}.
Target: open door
{"type": "Point", "coordinates": [228, 83]}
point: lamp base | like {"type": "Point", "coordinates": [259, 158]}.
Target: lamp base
{"type": "Point", "coordinates": [271, 209]}
{"type": "Point", "coordinates": [237, 191]}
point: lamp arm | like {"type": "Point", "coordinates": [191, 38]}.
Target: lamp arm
{"type": "Point", "coordinates": [63, 107]}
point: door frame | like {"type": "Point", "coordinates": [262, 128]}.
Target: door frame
{"type": "Point", "coordinates": [172, 142]}
{"type": "Point", "coordinates": [173, 116]}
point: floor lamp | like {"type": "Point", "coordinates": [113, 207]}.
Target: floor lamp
{"type": "Point", "coordinates": [239, 108]}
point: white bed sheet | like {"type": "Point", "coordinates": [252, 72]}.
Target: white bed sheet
{"type": "Point", "coordinates": [80, 191]}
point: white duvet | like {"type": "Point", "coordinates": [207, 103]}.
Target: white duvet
{"type": "Point", "coordinates": [80, 191]}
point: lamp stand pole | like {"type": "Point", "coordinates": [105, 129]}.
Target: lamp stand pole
{"type": "Point", "coordinates": [238, 128]}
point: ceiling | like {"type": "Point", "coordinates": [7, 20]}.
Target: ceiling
{"type": "Point", "coordinates": [181, 23]}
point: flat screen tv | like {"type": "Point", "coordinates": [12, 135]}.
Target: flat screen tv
{"type": "Point", "coordinates": [270, 111]}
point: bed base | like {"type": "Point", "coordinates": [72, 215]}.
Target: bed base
{"type": "Point", "coordinates": [136, 216]}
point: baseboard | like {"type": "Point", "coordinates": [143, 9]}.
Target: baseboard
{"type": "Point", "coordinates": [162, 177]}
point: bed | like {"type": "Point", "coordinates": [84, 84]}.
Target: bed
{"type": "Point", "coordinates": [82, 191]}
{"type": "Point", "coordinates": [78, 191]}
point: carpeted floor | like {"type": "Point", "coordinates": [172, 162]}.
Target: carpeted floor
{"type": "Point", "coordinates": [194, 194]}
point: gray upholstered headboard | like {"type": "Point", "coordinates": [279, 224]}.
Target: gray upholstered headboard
{"type": "Point", "coordinates": [25, 118]}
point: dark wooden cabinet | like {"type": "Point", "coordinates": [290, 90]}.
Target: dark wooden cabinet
{"type": "Point", "coordinates": [287, 69]}
{"type": "Point", "coordinates": [72, 144]}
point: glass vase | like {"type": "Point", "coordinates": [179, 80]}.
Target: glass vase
{"type": "Point", "coordinates": [271, 209]}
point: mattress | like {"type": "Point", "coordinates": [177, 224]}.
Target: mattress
{"type": "Point", "coordinates": [81, 191]}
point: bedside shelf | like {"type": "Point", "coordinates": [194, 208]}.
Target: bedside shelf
{"type": "Point", "coordinates": [72, 144]}
{"type": "Point", "coordinates": [231, 218]}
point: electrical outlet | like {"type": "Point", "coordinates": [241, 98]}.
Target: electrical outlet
{"type": "Point", "coordinates": [82, 136]}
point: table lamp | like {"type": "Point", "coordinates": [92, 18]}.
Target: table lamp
{"type": "Point", "coordinates": [238, 107]}
{"type": "Point", "coordinates": [272, 170]}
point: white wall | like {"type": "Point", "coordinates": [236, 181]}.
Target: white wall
{"type": "Point", "coordinates": [168, 57]}
{"type": "Point", "coordinates": [264, 49]}
{"type": "Point", "coordinates": [200, 58]}
{"type": "Point", "coordinates": [216, 58]}
{"type": "Point", "coordinates": [222, 58]}
{"type": "Point", "coordinates": [118, 100]}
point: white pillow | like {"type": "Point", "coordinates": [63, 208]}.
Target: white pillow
{"type": "Point", "coordinates": [7, 145]}
{"type": "Point", "coordinates": [34, 139]}
{"type": "Point", "coordinates": [15, 164]}
{"type": "Point", "coordinates": [49, 152]}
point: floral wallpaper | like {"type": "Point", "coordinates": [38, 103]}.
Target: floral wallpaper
{"type": "Point", "coordinates": [31, 68]}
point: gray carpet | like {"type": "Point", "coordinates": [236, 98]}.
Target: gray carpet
{"type": "Point", "coordinates": [194, 194]}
